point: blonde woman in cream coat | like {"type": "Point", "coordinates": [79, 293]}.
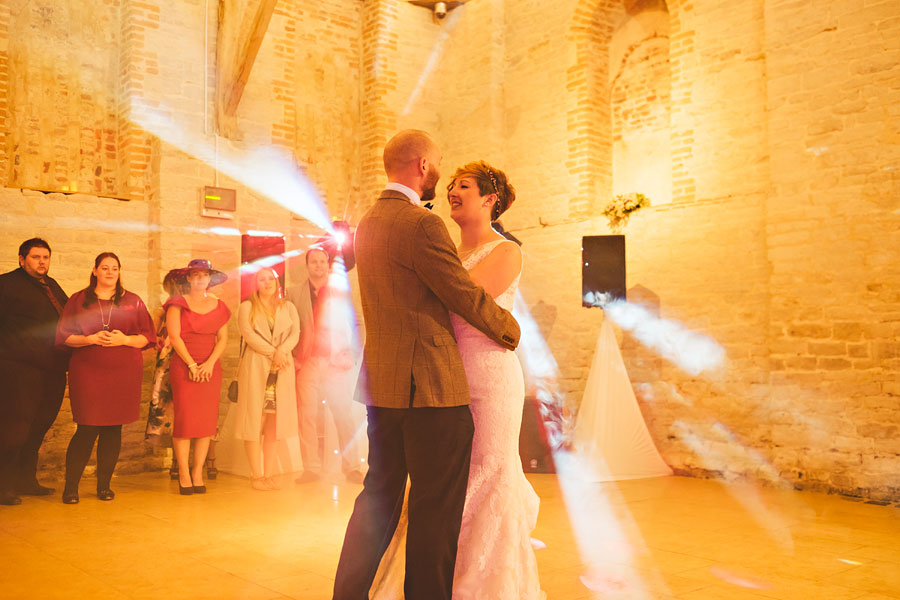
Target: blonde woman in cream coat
{"type": "Point", "coordinates": [270, 328]}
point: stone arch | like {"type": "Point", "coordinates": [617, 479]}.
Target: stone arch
{"type": "Point", "coordinates": [640, 102]}
{"type": "Point", "coordinates": [590, 83]}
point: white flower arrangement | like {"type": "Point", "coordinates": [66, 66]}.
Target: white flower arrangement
{"type": "Point", "coordinates": [619, 210]}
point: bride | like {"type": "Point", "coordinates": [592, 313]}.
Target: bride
{"type": "Point", "coordinates": [495, 559]}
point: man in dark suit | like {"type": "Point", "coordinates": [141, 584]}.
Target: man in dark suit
{"type": "Point", "coordinates": [32, 369]}
{"type": "Point", "coordinates": [413, 381]}
{"type": "Point", "coordinates": [324, 374]}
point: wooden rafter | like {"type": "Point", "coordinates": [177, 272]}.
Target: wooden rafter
{"type": "Point", "coordinates": [237, 47]}
{"type": "Point", "coordinates": [248, 54]}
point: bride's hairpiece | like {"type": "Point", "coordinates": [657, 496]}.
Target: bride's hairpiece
{"type": "Point", "coordinates": [493, 182]}
{"type": "Point", "coordinates": [495, 210]}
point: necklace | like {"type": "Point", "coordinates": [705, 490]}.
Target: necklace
{"type": "Point", "coordinates": [105, 320]}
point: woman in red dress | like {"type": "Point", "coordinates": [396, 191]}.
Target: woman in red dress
{"type": "Point", "coordinates": [107, 327]}
{"type": "Point", "coordinates": [198, 332]}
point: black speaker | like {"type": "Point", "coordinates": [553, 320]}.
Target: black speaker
{"type": "Point", "coordinates": [534, 448]}
{"type": "Point", "coordinates": [602, 269]}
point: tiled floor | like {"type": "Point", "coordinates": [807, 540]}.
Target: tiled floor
{"type": "Point", "coordinates": [668, 537]}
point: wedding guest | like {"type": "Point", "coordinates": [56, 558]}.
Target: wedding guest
{"type": "Point", "coordinates": [198, 331]}
{"type": "Point", "coordinates": [266, 405]}
{"type": "Point", "coordinates": [107, 327]}
{"type": "Point", "coordinates": [325, 360]}
{"type": "Point", "coordinates": [160, 413]}
{"type": "Point", "coordinates": [32, 368]}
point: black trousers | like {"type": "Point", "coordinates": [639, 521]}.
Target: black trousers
{"type": "Point", "coordinates": [29, 402]}
{"type": "Point", "coordinates": [434, 447]}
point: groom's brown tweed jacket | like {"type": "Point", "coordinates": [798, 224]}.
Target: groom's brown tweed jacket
{"type": "Point", "coordinates": [409, 278]}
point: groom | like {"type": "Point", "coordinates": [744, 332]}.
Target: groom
{"type": "Point", "coordinates": [413, 379]}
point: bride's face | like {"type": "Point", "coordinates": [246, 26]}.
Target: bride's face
{"type": "Point", "coordinates": [466, 202]}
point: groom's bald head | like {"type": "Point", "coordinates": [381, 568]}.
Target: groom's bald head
{"type": "Point", "coordinates": [413, 158]}
{"type": "Point", "coordinates": [407, 148]}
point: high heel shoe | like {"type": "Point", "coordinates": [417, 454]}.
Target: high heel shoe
{"type": "Point", "coordinates": [173, 471]}
{"type": "Point", "coordinates": [70, 497]}
{"type": "Point", "coordinates": [106, 494]}
{"type": "Point", "coordinates": [211, 470]}
{"type": "Point", "coordinates": [199, 489]}
{"type": "Point", "coordinates": [185, 490]}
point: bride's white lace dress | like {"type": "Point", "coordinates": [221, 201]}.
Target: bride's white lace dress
{"type": "Point", "coordinates": [495, 560]}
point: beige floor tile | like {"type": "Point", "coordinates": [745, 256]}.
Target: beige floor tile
{"type": "Point", "coordinates": [302, 586]}
{"type": "Point", "coordinates": [654, 539]}
{"type": "Point", "coordinates": [880, 577]}
{"type": "Point", "coordinates": [721, 592]}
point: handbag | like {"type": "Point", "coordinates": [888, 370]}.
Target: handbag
{"type": "Point", "coordinates": [233, 386]}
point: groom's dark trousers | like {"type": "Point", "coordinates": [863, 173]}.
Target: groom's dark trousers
{"type": "Point", "coordinates": [434, 446]}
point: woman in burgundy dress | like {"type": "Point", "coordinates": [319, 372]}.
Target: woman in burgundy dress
{"type": "Point", "coordinates": [107, 327]}
{"type": "Point", "coordinates": [198, 332]}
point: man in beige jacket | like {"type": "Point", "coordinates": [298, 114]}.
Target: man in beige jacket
{"type": "Point", "coordinates": [412, 380]}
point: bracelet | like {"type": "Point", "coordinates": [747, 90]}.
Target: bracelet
{"type": "Point", "coordinates": [192, 365]}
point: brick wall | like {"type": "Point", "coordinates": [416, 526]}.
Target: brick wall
{"type": "Point", "coordinates": [302, 96]}
{"type": "Point", "coordinates": [724, 251]}
{"type": "Point", "coordinates": [48, 61]}
{"type": "Point", "coordinates": [831, 229]}
{"type": "Point", "coordinates": [775, 179]}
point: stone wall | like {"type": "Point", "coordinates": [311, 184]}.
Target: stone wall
{"type": "Point", "coordinates": [807, 395]}
{"type": "Point", "coordinates": [765, 133]}
{"type": "Point", "coordinates": [833, 99]}
{"type": "Point", "coordinates": [302, 98]}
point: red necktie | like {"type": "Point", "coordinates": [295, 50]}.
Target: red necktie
{"type": "Point", "coordinates": [46, 287]}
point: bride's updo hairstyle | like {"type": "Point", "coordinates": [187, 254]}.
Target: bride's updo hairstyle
{"type": "Point", "coordinates": [490, 181]}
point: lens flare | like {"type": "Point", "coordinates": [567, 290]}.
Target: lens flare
{"type": "Point", "coordinates": [691, 351]}
{"type": "Point", "coordinates": [739, 580]}
{"type": "Point", "coordinates": [437, 50]}
{"type": "Point", "coordinates": [607, 542]}
{"type": "Point", "coordinates": [541, 374]}
{"type": "Point", "coordinates": [339, 317]}
{"type": "Point", "coordinates": [266, 170]}
{"type": "Point", "coordinates": [714, 453]}
{"type": "Point", "coordinates": [608, 539]}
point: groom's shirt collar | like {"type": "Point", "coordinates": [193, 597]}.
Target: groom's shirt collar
{"type": "Point", "coordinates": [406, 191]}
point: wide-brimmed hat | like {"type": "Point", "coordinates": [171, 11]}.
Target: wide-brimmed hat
{"type": "Point", "coordinates": [201, 264]}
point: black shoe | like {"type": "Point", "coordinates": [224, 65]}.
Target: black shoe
{"type": "Point", "coordinates": [199, 489]}
{"type": "Point", "coordinates": [10, 499]}
{"type": "Point", "coordinates": [173, 471]}
{"type": "Point", "coordinates": [307, 477]}
{"type": "Point", "coordinates": [35, 489]}
{"type": "Point", "coordinates": [70, 497]}
{"type": "Point", "coordinates": [211, 471]}
{"type": "Point", "coordinates": [106, 494]}
{"type": "Point", "coordinates": [185, 491]}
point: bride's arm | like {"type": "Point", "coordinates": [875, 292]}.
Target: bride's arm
{"type": "Point", "coordinates": [498, 269]}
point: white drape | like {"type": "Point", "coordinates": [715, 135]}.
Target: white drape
{"type": "Point", "coordinates": [610, 433]}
